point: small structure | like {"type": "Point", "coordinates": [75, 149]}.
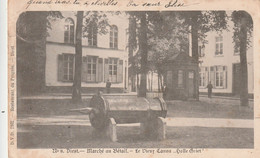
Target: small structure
{"type": "Point", "coordinates": [181, 77]}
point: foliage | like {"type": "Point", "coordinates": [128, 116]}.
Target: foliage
{"type": "Point", "coordinates": [32, 26]}
{"type": "Point", "coordinates": [168, 31]}
{"type": "Point", "coordinates": [97, 18]}
{"type": "Point", "coordinates": [167, 37]}
{"type": "Point", "coordinates": [207, 21]}
{"type": "Point", "coordinates": [236, 17]}
{"type": "Point", "coordinates": [31, 32]}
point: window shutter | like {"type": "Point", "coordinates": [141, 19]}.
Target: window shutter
{"type": "Point", "coordinates": [119, 77]}
{"type": "Point", "coordinates": [84, 69]}
{"type": "Point", "coordinates": [100, 70]}
{"type": "Point", "coordinates": [106, 70]}
{"type": "Point", "coordinates": [72, 34]}
{"type": "Point", "coordinates": [225, 76]}
{"type": "Point", "coordinates": [66, 36]}
{"type": "Point", "coordinates": [206, 76]}
{"type": "Point", "coordinates": [60, 67]}
{"type": "Point", "coordinates": [212, 76]}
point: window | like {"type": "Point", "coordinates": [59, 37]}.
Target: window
{"type": "Point", "coordinates": [219, 45]}
{"type": "Point", "coordinates": [69, 31]}
{"type": "Point", "coordinates": [113, 37]}
{"type": "Point", "coordinates": [201, 51]}
{"type": "Point", "coordinates": [68, 64]}
{"type": "Point", "coordinates": [220, 76]}
{"type": "Point", "coordinates": [92, 34]}
{"type": "Point", "coordinates": [180, 79]}
{"type": "Point", "coordinates": [203, 77]}
{"type": "Point", "coordinates": [92, 68]}
{"type": "Point", "coordinates": [113, 69]}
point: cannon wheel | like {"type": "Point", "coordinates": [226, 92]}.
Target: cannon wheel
{"type": "Point", "coordinates": [97, 117]}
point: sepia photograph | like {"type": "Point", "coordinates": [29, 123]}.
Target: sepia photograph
{"type": "Point", "coordinates": [135, 79]}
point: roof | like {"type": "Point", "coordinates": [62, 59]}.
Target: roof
{"type": "Point", "coordinates": [180, 57]}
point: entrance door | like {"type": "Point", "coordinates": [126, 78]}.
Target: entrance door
{"type": "Point", "coordinates": [169, 79]}
{"type": "Point", "coordinates": [236, 79]}
{"type": "Point", "coordinates": [190, 84]}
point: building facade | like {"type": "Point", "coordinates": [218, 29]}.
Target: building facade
{"type": "Point", "coordinates": [104, 56]}
{"type": "Point", "coordinates": [220, 64]}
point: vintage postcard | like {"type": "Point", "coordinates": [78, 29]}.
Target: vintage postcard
{"type": "Point", "coordinates": [133, 78]}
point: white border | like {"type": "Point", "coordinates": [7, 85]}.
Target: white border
{"type": "Point", "coordinates": [3, 79]}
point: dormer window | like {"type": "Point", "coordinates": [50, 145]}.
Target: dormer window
{"type": "Point", "coordinates": [69, 31]}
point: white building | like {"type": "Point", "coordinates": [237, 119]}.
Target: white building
{"type": "Point", "coordinates": [220, 64]}
{"type": "Point", "coordinates": [104, 55]}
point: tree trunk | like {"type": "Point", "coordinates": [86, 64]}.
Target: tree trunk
{"type": "Point", "coordinates": [76, 89]}
{"type": "Point", "coordinates": [132, 45]}
{"type": "Point", "coordinates": [133, 80]}
{"type": "Point", "coordinates": [137, 82]}
{"type": "Point", "coordinates": [41, 60]}
{"type": "Point", "coordinates": [40, 51]}
{"type": "Point", "coordinates": [144, 51]}
{"type": "Point", "coordinates": [159, 83]}
{"type": "Point", "coordinates": [243, 63]}
{"type": "Point", "coordinates": [152, 82]}
{"type": "Point", "coordinates": [149, 82]}
{"type": "Point", "coordinates": [195, 55]}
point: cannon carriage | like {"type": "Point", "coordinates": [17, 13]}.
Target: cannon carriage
{"type": "Point", "coordinates": [106, 111]}
{"type": "Point", "coordinates": [124, 109]}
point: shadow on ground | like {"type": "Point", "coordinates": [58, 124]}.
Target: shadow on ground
{"type": "Point", "coordinates": [205, 108]}
{"type": "Point", "coordinates": [63, 136]}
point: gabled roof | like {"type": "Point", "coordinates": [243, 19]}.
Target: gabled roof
{"type": "Point", "coordinates": [180, 57]}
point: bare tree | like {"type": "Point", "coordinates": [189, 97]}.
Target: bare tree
{"type": "Point", "coordinates": [76, 89]}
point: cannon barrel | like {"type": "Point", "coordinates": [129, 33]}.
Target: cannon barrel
{"type": "Point", "coordinates": [124, 109]}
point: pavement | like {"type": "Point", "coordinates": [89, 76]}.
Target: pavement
{"type": "Point", "coordinates": [89, 95]}
{"type": "Point", "coordinates": [224, 97]}
{"type": "Point", "coordinates": [83, 120]}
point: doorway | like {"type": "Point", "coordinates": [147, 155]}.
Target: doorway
{"type": "Point", "coordinates": [190, 86]}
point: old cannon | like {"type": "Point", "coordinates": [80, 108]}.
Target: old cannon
{"type": "Point", "coordinates": [105, 111]}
